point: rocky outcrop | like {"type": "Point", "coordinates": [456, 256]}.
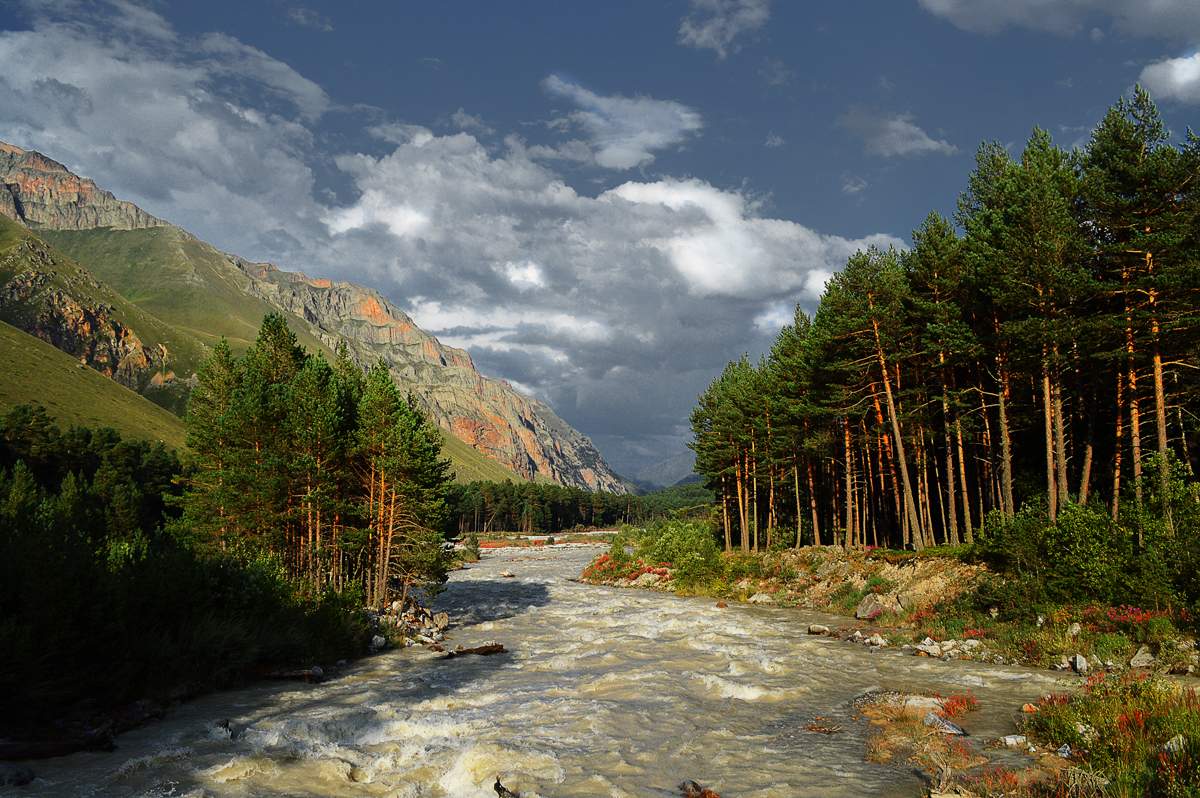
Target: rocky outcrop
{"type": "Point", "coordinates": [56, 303]}
{"type": "Point", "coordinates": [516, 430]}
{"type": "Point", "coordinates": [40, 192]}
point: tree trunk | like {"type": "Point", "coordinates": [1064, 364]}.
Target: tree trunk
{"type": "Point", "coordinates": [910, 510]}
{"type": "Point", "coordinates": [1118, 448]}
{"type": "Point", "coordinates": [849, 469]}
{"type": "Point", "coordinates": [1060, 447]}
{"type": "Point", "coordinates": [950, 510]}
{"type": "Point", "coordinates": [1048, 418]}
{"type": "Point", "coordinates": [812, 504]}
{"type": "Point", "coordinates": [796, 486]}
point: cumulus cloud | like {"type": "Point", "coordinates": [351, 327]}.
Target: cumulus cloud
{"type": "Point", "coordinates": [1166, 19]}
{"type": "Point", "coordinates": [774, 140]}
{"type": "Point", "coordinates": [163, 120]}
{"type": "Point", "coordinates": [891, 134]}
{"type": "Point", "coordinates": [617, 306]}
{"type": "Point", "coordinates": [717, 24]}
{"type": "Point", "coordinates": [1174, 78]}
{"type": "Point", "coordinates": [624, 131]}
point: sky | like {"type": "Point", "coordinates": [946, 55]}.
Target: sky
{"type": "Point", "coordinates": [604, 202]}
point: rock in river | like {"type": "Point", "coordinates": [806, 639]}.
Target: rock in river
{"type": "Point", "coordinates": [873, 605]}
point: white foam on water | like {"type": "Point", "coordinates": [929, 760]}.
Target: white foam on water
{"type": "Point", "coordinates": [728, 689]}
{"type": "Point", "coordinates": [476, 768]}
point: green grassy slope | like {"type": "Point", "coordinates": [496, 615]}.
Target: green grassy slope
{"type": "Point", "coordinates": [177, 278]}
{"type": "Point", "coordinates": [471, 465]}
{"type": "Point", "coordinates": [77, 281]}
{"type": "Point", "coordinates": [34, 371]}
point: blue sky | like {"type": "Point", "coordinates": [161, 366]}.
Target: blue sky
{"type": "Point", "coordinates": [603, 201]}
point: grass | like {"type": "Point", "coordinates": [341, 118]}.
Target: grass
{"type": "Point", "coordinates": [32, 371]}
{"type": "Point", "coordinates": [77, 280]}
{"type": "Point", "coordinates": [1139, 734]}
{"type": "Point", "coordinates": [180, 280]}
{"type": "Point", "coordinates": [471, 465]}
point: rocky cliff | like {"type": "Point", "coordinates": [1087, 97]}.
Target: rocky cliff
{"type": "Point", "coordinates": [52, 299]}
{"type": "Point", "coordinates": [39, 192]}
{"type": "Point", "coordinates": [518, 431]}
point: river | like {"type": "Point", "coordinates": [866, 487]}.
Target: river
{"type": "Point", "coordinates": [606, 692]}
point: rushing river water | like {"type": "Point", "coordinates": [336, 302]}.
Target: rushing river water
{"type": "Point", "coordinates": [606, 692]}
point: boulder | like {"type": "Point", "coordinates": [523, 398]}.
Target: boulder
{"type": "Point", "coordinates": [378, 642]}
{"type": "Point", "coordinates": [874, 605]}
{"type": "Point", "coordinates": [507, 574]}
{"type": "Point", "coordinates": [441, 620]}
{"type": "Point", "coordinates": [762, 598]}
{"type": "Point", "coordinates": [1142, 659]}
{"type": "Point", "coordinates": [929, 648]}
{"type": "Point", "coordinates": [818, 629]}
{"type": "Point", "coordinates": [1079, 664]}
{"type": "Point", "coordinates": [647, 579]}
{"type": "Point", "coordinates": [970, 645]}
{"type": "Point", "coordinates": [876, 641]}
{"type": "Point", "coordinates": [1014, 740]}
{"type": "Point", "coordinates": [925, 702]}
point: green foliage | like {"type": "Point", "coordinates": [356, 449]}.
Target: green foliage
{"type": "Point", "coordinates": [689, 546]}
{"type": "Point", "coordinates": [102, 606]}
{"type": "Point", "coordinates": [1141, 734]}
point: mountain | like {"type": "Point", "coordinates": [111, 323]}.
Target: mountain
{"type": "Point", "coordinates": [62, 380]}
{"type": "Point", "coordinates": [177, 295]}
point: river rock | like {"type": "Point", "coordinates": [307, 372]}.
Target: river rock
{"type": "Point", "coordinates": [929, 648]}
{"type": "Point", "coordinates": [647, 579]}
{"type": "Point", "coordinates": [1174, 745]}
{"type": "Point", "coordinates": [1142, 659]}
{"type": "Point", "coordinates": [441, 620]}
{"type": "Point", "coordinates": [874, 605]}
{"type": "Point", "coordinates": [938, 723]}
{"type": "Point", "coordinates": [1014, 740]}
{"type": "Point", "coordinates": [818, 629]}
{"type": "Point", "coordinates": [1064, 751]}
{"type": "Point", "coordinates": [925, 702]}
{"type": "Point", "coordinates": [1079, 664]}
{"type": "Point", "coordinates": [876, 641]}
{"type": "Point", "coordinates": [762, 598]}
{"type": "Point", "coordinates": [378, 642]}
{"type": "Point", "coordinates": [970, 645]}
{"type": "Point", "coordinates": [507, 574]}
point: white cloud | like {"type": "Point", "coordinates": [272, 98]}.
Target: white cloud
{"type": "Point", "coordinates": [525, 275]}
{"type": "Point", "coordinates": [1165, 19]}
{"type": "Point", "coordinates": [891, 134]}
{"type": "Point", "coordinates": [853, 184]}
{"type": "Point", "coordinates": [469, 122]}
{"type": "Point", "coordinates": [774, 140]}
{"type": "Point", "coordinates": [1174, 78]}
{"type": "Point", "coordinates": [625, 131]}
{"type": "Point", "coordinates": [716, 24]}
{"type": "Point", "coordinates": [618, 308]}
{"type": "Point", "coordinates": [308, 18]}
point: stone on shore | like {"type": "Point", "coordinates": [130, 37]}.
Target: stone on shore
{"type": "Point", "coordinates": [1079, 664]}
{"type": "Point", "coordinates": [873, 605]}
{"type": "Point", "coordinates": [1142, 659]}
{"type": "Point", "coordinates": [818, 629]}
{"type": "Point", "coordinates": [762, 598]}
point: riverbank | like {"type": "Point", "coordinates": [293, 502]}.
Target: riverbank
{"type": "Point", "coordinates": [601, 692]}
{"type": "Point", "coordinates": [931, 604]}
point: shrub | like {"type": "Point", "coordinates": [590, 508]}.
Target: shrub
{"type": "Point", "coordinates": [689, 546]}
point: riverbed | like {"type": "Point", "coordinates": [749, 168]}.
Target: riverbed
{"type": "Point", "coordinates": [605, 692]}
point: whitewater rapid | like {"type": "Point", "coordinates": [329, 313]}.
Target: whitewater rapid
{"type": "Point", "coordinates": [606, 692]}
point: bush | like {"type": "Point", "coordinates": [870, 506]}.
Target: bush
{"type": "Point", "coordinates": [689, 546]}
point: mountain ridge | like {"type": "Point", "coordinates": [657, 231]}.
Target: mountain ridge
{"type": "Point", "coordinates": [173, 275]}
